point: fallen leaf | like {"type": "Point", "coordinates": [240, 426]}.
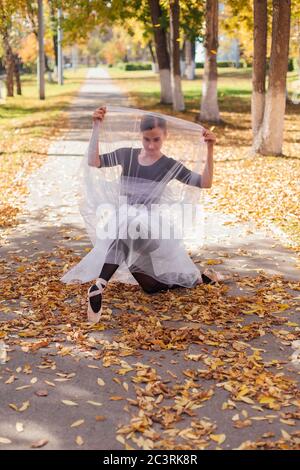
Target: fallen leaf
{"type": "Point", "coordinates": [219, 438]}
{"type": "Point", "coordinates": [25, 406]}
{"type": "Point", "coordinates": [41, 393]}
{"type": "Point", "coordinates": [69, 403]}
{"type": "Point", "coordinates": [77, 423]}
{"type": "Point", "coordinates": [79, 441]}
{"type": "Point", "coordinates": [20, 427]}
{"type": "Point", "coordinates": [11, 379]}
{"type": "Point", "coordinates": [100, 418]}
{"type": "Point", "coordinates": [40, 443]}
{"type": "Point", "coordinates": [4, 440]}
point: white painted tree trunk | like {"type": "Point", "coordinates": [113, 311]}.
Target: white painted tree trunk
{"type": "Point", "coordinates": [269, 140]}
{"type": "Point", "coordinates": [209, 104]}
{"type": "Point", "coordinates": [209, 110]}
{"type": "Point", "coordinates": [189, 60]}
{"type": "Point", "coordinates": [257, 114]}
{"type": "Point", "coordinates": [269, 137]}
{"type": "Point", "coordinates": [190, 71]}
{"type": "Point", "coordinates": [165, 86]}
{"type": "Point", "coordinates": [260, 15]}
{"type": "Point", "coordinates": [178, 100]}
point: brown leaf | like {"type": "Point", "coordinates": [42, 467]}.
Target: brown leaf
{"type": "Point", "coordinates": [100, 418]}
{"type": "Point", "coordinates": [41, 393]}
{"type": "Point", "coordinates": [40, 443]}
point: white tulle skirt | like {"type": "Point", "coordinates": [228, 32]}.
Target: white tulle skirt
{"type": "Point", "coordinates": [138, 249]}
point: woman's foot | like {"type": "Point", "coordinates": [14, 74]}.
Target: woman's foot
{"type": "Point", "coordinates": [209, 276]}
{"type": "Point", "coordinates": [95, 300]}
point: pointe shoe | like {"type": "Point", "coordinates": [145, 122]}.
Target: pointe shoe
{"type": "Point", "coordinates": [94, 317]}
{"type": "Point", "coordinates": [209, 276]}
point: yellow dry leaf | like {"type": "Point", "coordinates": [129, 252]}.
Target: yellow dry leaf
{"type": "Point", "coordinates": [120, 439]}
{"type": "Point", "coordinates": [213, 261]}
{"type": "Point", "coordinates": [95, 403]}
{"type": "Point", "coordinates": [19, 427]}
{"type": "Point", "coordinates": [79, 441]}
{"type": "Point", "coordinates": [49, 383]}
{"type": "Point", "coordinates": [4, 440]}
{"type": "Point", "coordinates": [285, 435]}
{"type": "Point", "coordinates": [77, 423]}
{"type": "Point", "coordinates": [267, 400]}
{"type": "Point", "coordinates": [69, 403]}
{"type": "Point", "coordinates": [247, 400]}
{"type": "Point", "coordinates": [13, 406]}
{"type": "Point", "coordinates": [25, 406]}
{"type": "Point", "coordinates": [11, 379]}
{"type": "Point", "coordinates": [100, 382]}
{"type": "Point", "coordinates": [219, 438]}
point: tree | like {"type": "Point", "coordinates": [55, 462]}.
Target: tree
{"type": "Point", "coordinates": [269, 137]}
{"type": "Point", "coordinates": [209, 104]}
{"type": "Point", "coordinates": [236, 21]}
{"type": "Point", "coordinates": [41, 53]}
{"type": "Point", "coordinates": [191, 23]}
{"type": "Point", "coordinates": [177, 95]}
{"type": "Point", "coordinates": [162, 54]}
{"type": "Point", "coordinates": [260, 14]}
{"type": "Point", "coordinates": [6, 12]}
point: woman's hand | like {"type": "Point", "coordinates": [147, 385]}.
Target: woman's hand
{"type": "Point", "coordinates": [209, 137]}
{"type": "Point", "coordinates": [99, 114]}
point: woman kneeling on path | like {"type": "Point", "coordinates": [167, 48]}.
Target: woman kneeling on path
{"type": "Point", "coordinates": [157, 264]}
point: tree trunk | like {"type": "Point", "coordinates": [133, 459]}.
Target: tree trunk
{"type": "Point", "coordinates": [270, 136]}
{"type": "Point", "coordinates": [17, 74]}
{"type": "Point", "coordinates": [9, 65]}
{"type": "Point", "coordinates": [162, 53]}
{"type": "Point", "coordinates": [41, 53]}
{"type": "Point", "coordinates": [153, 58]}
{"type": "Point", "coordinates": [190, 59]}
{"type": "Point", "coordinates": [178, 100]}
{"type": "Point", "coordinates": [259, 65]}
{"type": "Point", "coordinates": [209, 103]}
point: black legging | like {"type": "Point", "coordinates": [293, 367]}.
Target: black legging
{"type": "Point", "coordinates": [147, 283]}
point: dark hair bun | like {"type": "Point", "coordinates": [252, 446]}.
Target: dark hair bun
{"type": "Point", "coordinates": [149, 121]}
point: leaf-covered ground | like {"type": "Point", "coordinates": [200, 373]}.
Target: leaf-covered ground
{"type": "Point", "coordinates": [27, 126]}
{"type": "Point", "coordinates": [208, 368]}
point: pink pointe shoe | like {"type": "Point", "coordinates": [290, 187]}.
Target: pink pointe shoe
{"type": "Point", "coordinates": [210, 276]}
{"type": "Point", "coordinates": [98, 287]}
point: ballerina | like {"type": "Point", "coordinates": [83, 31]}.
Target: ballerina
{"type": "Point", "coordinates": [152, 163]}
{"type": "Point", "coordinates": [146, 164]}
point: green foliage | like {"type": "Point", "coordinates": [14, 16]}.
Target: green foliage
{"type": "Point", "coordinates": [129, 66]}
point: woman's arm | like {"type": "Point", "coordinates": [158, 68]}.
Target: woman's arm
{"type": "Point", "coordinates": [93, 148]}
{"type": "Point", "coordinates": [207, 175]}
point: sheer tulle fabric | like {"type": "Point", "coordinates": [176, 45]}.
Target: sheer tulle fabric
{"type": "Point", "coordinates": [142, 217]}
